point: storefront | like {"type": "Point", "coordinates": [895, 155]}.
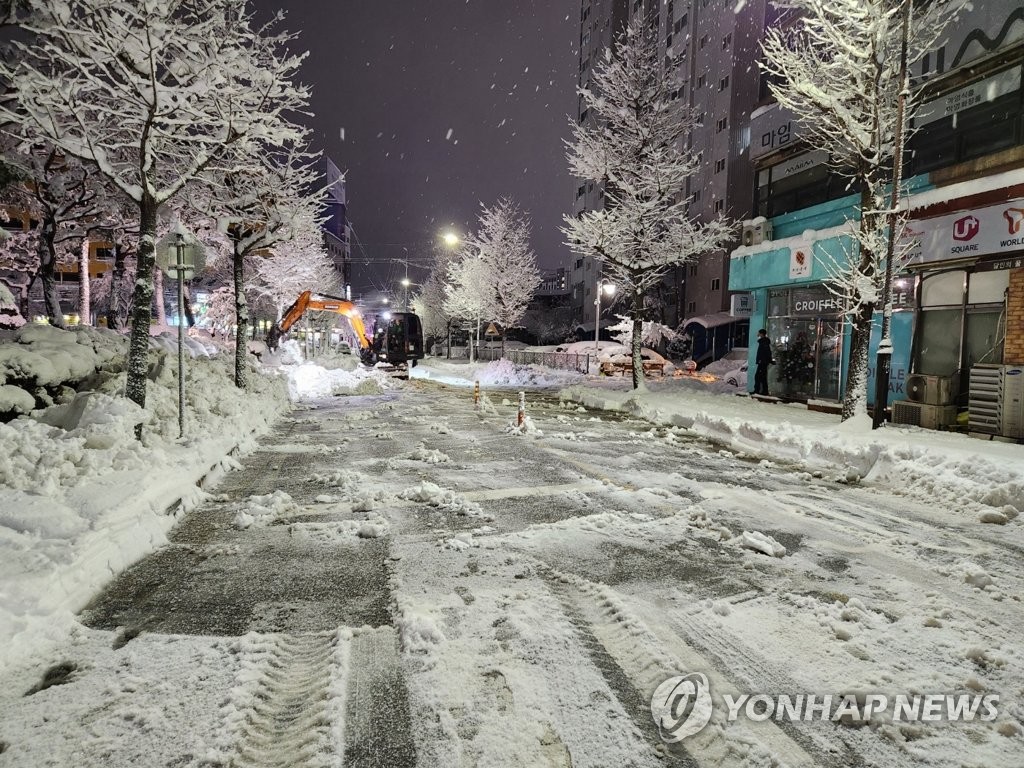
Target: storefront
{"type": "Point", "coordinates": [965, 260]}
{"type": "Point", "coordinates": [806, 332]}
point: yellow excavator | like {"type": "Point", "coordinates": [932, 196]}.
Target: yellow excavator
{"type": "Point", "coordinates": [398, 342]}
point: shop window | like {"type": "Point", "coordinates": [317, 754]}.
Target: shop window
{"type": "Point", "coordinates": [984, 336]}
{"type": "Point", "coordinates": [943, 289]}
{"type": "Point", "coordinates": [976, 132]}
{"type": "Point", "coordinates": [938, 350]}
{"type": "Point", "coordinates": [988, 287]}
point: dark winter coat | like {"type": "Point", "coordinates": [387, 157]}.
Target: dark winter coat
{"type": "Point", "coordinates": [764, 351]}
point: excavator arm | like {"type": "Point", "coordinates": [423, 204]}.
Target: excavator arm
{"type": "Point", "coordinates": [308, 300]}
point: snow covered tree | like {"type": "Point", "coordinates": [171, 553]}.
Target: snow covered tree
{"type": "Point", "coordinates": [273, 200]}
{"type": "Point", "coordinates": [154, 92]}
{"type": "Point", "coordinates": [65, 199]}
{"type": "Point", "coordinates": [503, 244]}
{"type": "Point", "coordinates": [653, 334]}
{"type": "Point", "coordinates": [429, 305]}
{"type": "Point", "coordinates": [300, 263]}
{"type": "Point", "coordinates": [838, 70]}
{"type": "Point", "coordinates": [469, 290]}
{"type": "Point", "coordinates": [632, 149]}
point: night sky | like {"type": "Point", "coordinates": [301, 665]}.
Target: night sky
{"type": "Point", "coordinates": [434, 106]}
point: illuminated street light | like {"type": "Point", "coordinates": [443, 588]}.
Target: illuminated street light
{"type": "Point", "coordinates": [405, 284]}
{"type": "Point", "coordinates": [450, 239]}
{"type": "Point", "coordinates": [603, 286]}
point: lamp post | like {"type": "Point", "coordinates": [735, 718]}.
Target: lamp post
{"type": "Point", "coordinates": [405, 284]}
{"type": "Point", "coordinates": [603, 286]}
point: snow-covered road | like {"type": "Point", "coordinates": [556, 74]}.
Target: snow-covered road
{"type": "Point", "coordinates": [400, 580]}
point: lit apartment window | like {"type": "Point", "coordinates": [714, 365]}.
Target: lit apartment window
{"type": "Point", "coordinates": [719, 165]}
{"type": "Point", "coordinates": [716, 284]}
{"type": "Point", "coordinates": [722, 124]}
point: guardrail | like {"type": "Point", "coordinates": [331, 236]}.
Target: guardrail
{"type": "Point", "coordinates": [563, 361]}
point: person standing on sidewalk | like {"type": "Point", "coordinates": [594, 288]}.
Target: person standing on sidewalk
{"type": "Point", "coordinates": [762, 361]}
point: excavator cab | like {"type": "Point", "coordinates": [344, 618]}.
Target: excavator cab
{"type": "Point", "coordinates": [400, 339]}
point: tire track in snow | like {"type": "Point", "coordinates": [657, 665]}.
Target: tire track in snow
{"type": "Point", "coordinates": [621, 644]}
{"type": "Point", "coordinates": [287, 709]}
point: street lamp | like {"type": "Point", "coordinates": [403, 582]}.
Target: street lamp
{"type": "Point", "coordinates": [405, 284]}
{"type": "Point", "coordinates": [603, 286]}
{"type": "Point", "coordinates": [450, 239]}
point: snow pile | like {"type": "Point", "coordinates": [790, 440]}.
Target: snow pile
{"type": "Point", "coordinates": [760, 542]}
{"type": "Point", "coordinates": [10, 317]}
{"type": "Point", "coordinates": [418, 631]}
{"type": "Point", "coordinates": [528, 427]}
{"type": "Point", "coordinates": [81, 497]}
{"type": "Point", "coordinates": [435, 496]}
{"type": "Point", "coordinates": [428, 456]}
{"type": "Point", "coordinates": [264, 510]}
{"type": "Point", "coordinates": [498, 373]}
{"type": "Point", "coordinates": [939, 467]}
{"type": "Point", "coordinates": [309, 381]}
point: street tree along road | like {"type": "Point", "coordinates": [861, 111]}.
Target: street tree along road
{"type": "Point", "coordinates": [398, 580]}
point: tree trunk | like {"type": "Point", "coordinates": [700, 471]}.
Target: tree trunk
{"type": "Point", "coordinates": [638, 330]}
{"type": "Point", "coordinates": [48, 275]}
{"type": "Point", "coordinates": [241, 319]}
{"type": "Point", "coordinates": [84, 294]}
{"type": "Point", "coordinates": [855, 399]}
{"type": "Point", "coordinates": [158, 287]}
{"type": "Point", "coordinates": [142, 306]}
{"type": "Point", "coordinates": [120, 297]}
{"type": "Point", "coordinates": [448, 353]}
{"type": "Point", "coordinates": [190, 316]}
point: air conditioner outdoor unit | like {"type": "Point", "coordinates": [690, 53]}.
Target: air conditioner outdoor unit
{"type": "Point", "coordinates": [985, 399]}
{"type": "Point", "coordinates": [923, 415]}
{"type": "Point", "coordinates": [931, 390]}
{"type": "Point", "coordinates": [1013, 402]}
{"type": "Point", "coordinates": [756, 231]}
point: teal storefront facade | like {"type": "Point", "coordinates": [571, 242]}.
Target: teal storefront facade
{"type": "Point", "coordinates": [810, 338]}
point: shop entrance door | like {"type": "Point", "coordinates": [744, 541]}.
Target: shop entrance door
{"type": "Point", "coordinates": [830, 359]}
{"type": "Point", "coordinates": [808, 356]}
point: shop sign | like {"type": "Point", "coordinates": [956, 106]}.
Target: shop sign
{"type": "Point", "coordinates": [1013, 262]}
{"type": "Point", "coordinates": [801, 260]}
{"type": "Point", "coordinates": [771, 130]}
{"type": "Point", "coordinates": [989, 89]}
{"type": "Point", "coordinates": [985, 231]}
{"type": "Point", "coordinates": [904, 294]}
{"type": "Point", "coordinates": [813, 302]}
{"type": "Point", "coordinates": [799, 164]}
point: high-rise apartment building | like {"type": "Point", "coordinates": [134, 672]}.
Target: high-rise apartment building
{"type": "Point", "coordinates": [713, 51]}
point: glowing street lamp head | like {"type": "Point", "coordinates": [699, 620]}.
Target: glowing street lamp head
{"type": "Point", "coordinates": [450, 239]}
{"type": "Point", "coordinates": [608, 288]}
{"type": "Point", "coordinates": [405, 282]}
